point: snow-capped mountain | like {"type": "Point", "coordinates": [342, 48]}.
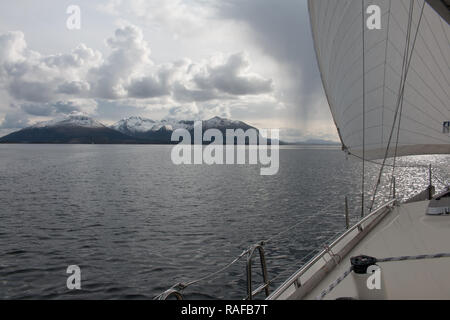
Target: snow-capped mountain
{"type": "Point", "coordinates": [218, 123]}
{"type": "Point", "coordinates": [133, 125]}
{"type": "Point", "coordinates": [161, 131]}
{"type": "Point", "coordinates": [138, 126]}
{"type": "Point", "coordinates": [73, 120]}
{"type": "Point", "coordinates": [77, 128]}
{"type": "Point", "coordinates": [74, 128]}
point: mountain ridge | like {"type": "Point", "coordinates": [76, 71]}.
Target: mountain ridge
{"type": "Point", "coordinates": [75, 129]}
{"type": "Point", "coordinates": [82, 129]}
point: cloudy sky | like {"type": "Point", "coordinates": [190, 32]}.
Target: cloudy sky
{"type": "Point", "coordinates": [250, 60]}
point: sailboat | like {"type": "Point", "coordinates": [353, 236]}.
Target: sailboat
{"type": "Point", "coordinates": [387, 83]}
{"type": "Point", "coordinates": [388, 88]}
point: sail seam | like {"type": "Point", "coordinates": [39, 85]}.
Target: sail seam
{"type": "Point", "coordinates": [427, 47]}
{"type": "Point", "coordinates": [423, 60]}
{"type": "Point", "coordinates": [424, 98]}
{"type": "Point", "coordinates": [439, 47]}
{"type": "Point", "coordinates": [411, 119]}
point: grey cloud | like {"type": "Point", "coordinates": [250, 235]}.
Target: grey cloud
{"type": "Point", "coordinates": [225, 81]}
{"type": "Point", "coordinates": [148, 87]}
{"type": "Point", "coordinates": [16, 69]}
{"type": "Point", "coordinates": [66, 107]}
{"type": "Point", "coordinates": [80, 56]}
{"type": "Point", "coordinates": [59, 107]}
{"type": "Point", "coordinates": [231, 78]}
{"type": "Point", "coordinates": [38, 109]}
{"type": "Point", "coordinates": [41, 83]}
{"type": "Point", "coordinates": [73, 87]}
{"type": "Point", "coordinates": [282, 30]}
{"type": "Point", "coordinates": [14, 121]}
{"type": "Point", "coordinates": [130, 53]}
{"type": "Point", "coordinates": [114, 110]}
{"type": "Point", "coordinates": [12, 44]}
{"type": "Point", "coordinates": [30, 90]}
{"type": "Point", "coordinates": [193, 112]}
{"type": "Point", "coordinates": [189, 82]}
{"type": "Point", "coordinates": [152, 86]}
{"type": "Point", "coordinates": [183, 94]}
{"type": "Point", "coordinates": [30, 77]}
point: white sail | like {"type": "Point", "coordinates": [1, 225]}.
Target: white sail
{"type": "Point", "coordinates": [363, 79]}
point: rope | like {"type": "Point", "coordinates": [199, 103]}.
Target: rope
{"type": "Point", "coordinates": [445, 184]}
{"type": "Point", "coordinates": [332, 286]}
{"type": "Point", "coordinates": [219, 271]}
{"type": "Point", "coordinates": [408, 61]}
{"type": "Point", "coordinates": [385, 67]}
{"type": "Point", "coordinates": [179, 287]}
{"type": "Point", "coordinates": [295, 225]}
{"type": "Point", "coordinates": [364, 106]}
{"type": "Point", "coordinates": [182, 286]}
{"type": "Point", "coordinates": [388, 165]}
{"type": "Point", "coordinates": [415, 258]}
{"type": "Point", "coordinates": [307, 258]}
{"type": "Point", "coordinates": [398, 109]}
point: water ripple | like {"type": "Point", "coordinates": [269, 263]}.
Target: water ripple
{"type": "Point", "coordinates": [136, 224]}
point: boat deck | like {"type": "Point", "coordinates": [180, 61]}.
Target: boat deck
{"type": "Point", "coordinates": [405, 230]}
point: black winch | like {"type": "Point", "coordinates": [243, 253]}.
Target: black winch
{"type": "Point", "coordinates": [360, 264]}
